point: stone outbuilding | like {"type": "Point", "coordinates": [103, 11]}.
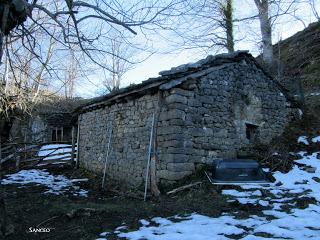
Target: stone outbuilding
{"type": "Point", "coordinates": [211, 109]}
{"type": "Point", "coordinates": [49, 121]}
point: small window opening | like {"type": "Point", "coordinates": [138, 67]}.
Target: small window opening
{"type": "Point", "coordinates": [251, 132]}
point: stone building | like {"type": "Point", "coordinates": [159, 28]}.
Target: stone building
{"type": "Point", "coordinates": [49, 121]}
{"type": "Point", "coordinates": [203, 111]}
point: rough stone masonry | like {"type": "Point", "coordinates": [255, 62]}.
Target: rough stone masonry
{"type": "Point", "coordinates": [203, 111]}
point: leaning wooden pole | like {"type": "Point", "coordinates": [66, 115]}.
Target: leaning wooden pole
{"type": "Point", "coordinates": [149, 158]}
{"type": "Point", "coordinates": [107, 157]}
{"type": "Point", "coordinates": [78, 145]}
{"type": "Point", "coordinates": [0, 155]}
{"type": "Point", "coordinates": [61, 134]}
{"type": "Point", "coordinates": [73, 145]}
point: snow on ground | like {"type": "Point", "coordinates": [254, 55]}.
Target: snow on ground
{"type": "Point", "coordinates": [55, 184]}
{"type": "Point", "coordinates": [50, 152]}
{"type": "Point", "coordinates": [314, 94]}
{"type": "Point", "coordinates": [316, 139]}
{"type": "Point", "coordinates": [303, 139]}
{"type": "Point", "coordinates": [281, 217]}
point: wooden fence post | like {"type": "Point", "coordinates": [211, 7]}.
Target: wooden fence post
{"type": "Point", "coordinates": [18, 156]}
{"type": "Point", "coordinates": [0, 154]}
{"type": "Point", "coordinates": [25, 146]}
{"type": "Point", "coordinates": [61, 134]}
{"type": "Point", "coordinates": [153, 180]}
{"type": "Point", "coordinates": [73, 145]}
{"type": "Point", "coordinates": [78, 145]}
{"type": "Point", "coordinates": [106, 161]}
{"type": "Point", "coordinates": [149, 158]}
{"type": "Point", "coordinates": [56, 134]}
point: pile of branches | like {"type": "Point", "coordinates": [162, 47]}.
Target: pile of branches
{"type": "Point", "coordinates": [276, 158]}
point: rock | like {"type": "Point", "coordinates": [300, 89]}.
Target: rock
{"type": "Point", "coordinates": [172, 176]}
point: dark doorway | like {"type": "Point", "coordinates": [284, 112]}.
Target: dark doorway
{"type": "Point", "coordinates": [252, 132]}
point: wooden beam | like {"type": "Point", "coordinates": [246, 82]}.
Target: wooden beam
{"type": "Point", "coordinates": [73, 144]}
{"type": "Point", "coordinates": [11, 156]}
{"type": "Point", "coordinates": [0, 154]}
{"type": "Point", "coordinates": [106, 161]}
{"type": "Point", "coordinates": [78, 145]}
{"type": "Point", "coordinates": [61, 134]}
{"type": "Point", "coordinates": [6, 147]}
{"type": "Point", "coordinates": [153, 169]}
{"type": "Point", "coordinates": [153, 180]}
{"type": "Point", "coordinates": [179, 189]}
{"type": "Point", "coordinates": [149, 159]}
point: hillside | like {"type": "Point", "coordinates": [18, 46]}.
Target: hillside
{"type": "Point", "coordinates": [300, 64]}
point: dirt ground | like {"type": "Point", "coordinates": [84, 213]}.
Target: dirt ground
{"type": "Point", "coordinates": [70, 217]}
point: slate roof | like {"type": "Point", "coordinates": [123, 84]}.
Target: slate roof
{"type": "Point", "coordinates": [173, 77]}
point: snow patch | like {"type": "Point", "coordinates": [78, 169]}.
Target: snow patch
{"type": "Point", "coordinates": [196, 227]}
{"type": "Point", "coordinates": [50, 151]}
{"type": "Point", "coordinates": [316, 139]}
{"type": "Point", "coordinates": [294, 223]}
{"type": "Point", "coordinates": [303, 139]}
{"type": "Point", "coordinates": [56, 185]}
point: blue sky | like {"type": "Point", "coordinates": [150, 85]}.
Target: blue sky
{"type": "Point", "coordinates": [283, 28]}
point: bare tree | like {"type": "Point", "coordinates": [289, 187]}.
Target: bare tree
{"type": "Point", "coordinates": [37, 82]}
{"type": "Point", "coordinates": [118, 63]}
{"type": "Point", "coordinates": [23, 78]}
{"type": "Point", "coordinates": [81, 26]}
{"type": "Point", "coordinates": [228, 20]}
{"type": "Point", "coordinates": [204, 24]}
{"type": "Point", "coordinates": [71, 24]}
{"type": "Point", "coordinates": [314, 9]}
{"type": "Point", "coordinates": [72, 17]}
{"type": "Point", "coordinates": [71, 76]}
{"type": "Point", "coordinates": [266, 31]}
{"type": "Point", "coordinates": [268, 13]}
{"type": "Point", "coordinates": [12, 13]}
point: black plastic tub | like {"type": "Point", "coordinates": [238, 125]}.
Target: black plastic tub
{"type": "Point", "coordinates": [237, 171]}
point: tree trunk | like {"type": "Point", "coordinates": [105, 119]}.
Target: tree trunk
{"type": "Point", "coordinates": [265, 27]}
{"type": "Point", "coordinates": [228, 15]}
{"type": "Point", "coordinates": [3, 218]}
{"type": "Point", "coordinates": [1, 46]}
{"type": "Point", "coordinates": [3, 213]}
{"type": "Point", "coordinates": [4, 15]}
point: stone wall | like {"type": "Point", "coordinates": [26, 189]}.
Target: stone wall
{"type": "Point", "coordinates": [204, 118]}
{"type": "Point", "coordinates": [31, 129]}
{"type": "Point", "coordinates": [36, 129]}
{"type": "Point", "coordinates": [208, 119]}
{"type": "Point", "coordinates": [131, 123]}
